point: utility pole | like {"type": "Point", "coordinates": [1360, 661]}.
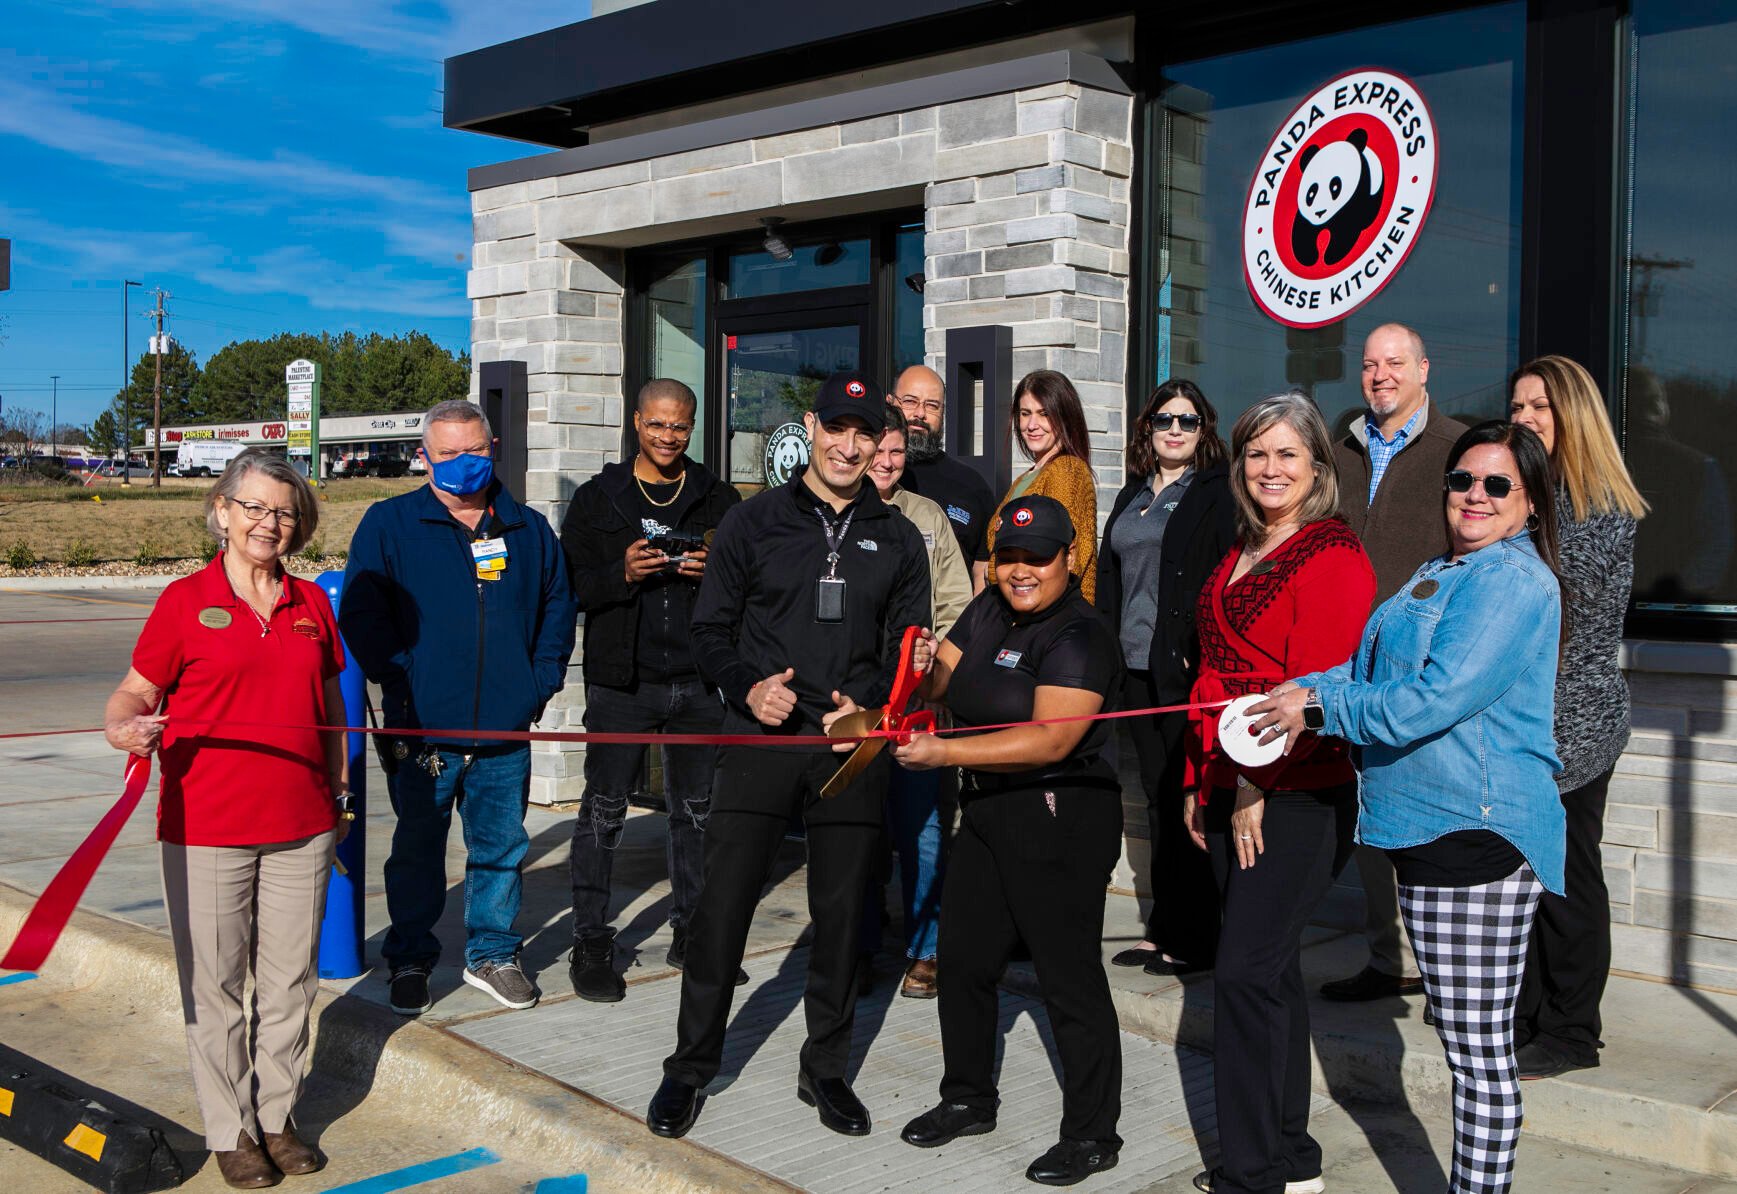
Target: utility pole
{"type": "Point", "coordinates": [159, 346]}
{"type": "Point", "coordinates": [126, 388]}
{"type": "Point", "coordinates": [54, 417]}
{"type": "Point", "coordinates": [1647, 292]}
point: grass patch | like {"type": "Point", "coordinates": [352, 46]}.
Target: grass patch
{"type": "Point", "coordinates": [50, 523]}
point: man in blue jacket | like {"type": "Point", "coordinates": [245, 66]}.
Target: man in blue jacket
{"type": "Point", "coordinates": [457, 603]}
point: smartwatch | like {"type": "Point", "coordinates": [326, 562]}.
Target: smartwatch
{"type": "Point", "coordinates": [1314, 715]}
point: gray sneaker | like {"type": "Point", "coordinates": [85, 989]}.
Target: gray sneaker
{"type": "Point", "coordinates": [505, 981]}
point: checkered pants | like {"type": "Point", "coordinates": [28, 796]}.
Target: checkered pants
{"type": "Point", "coordinates": [1471, 948]}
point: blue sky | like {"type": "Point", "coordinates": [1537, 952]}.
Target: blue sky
{"type": "Point", "coordinates": [277, 165]}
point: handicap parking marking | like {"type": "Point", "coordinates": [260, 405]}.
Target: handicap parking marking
{"type": "Point", "coordinates": [575, 1184]}
{"type": "Point", "coordinates": [415, 1175]}
{"type": "Point", "coordinates": [22, 976]}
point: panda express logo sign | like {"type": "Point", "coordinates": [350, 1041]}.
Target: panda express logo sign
{"type": "Point", "coordinates": [1339, 198]}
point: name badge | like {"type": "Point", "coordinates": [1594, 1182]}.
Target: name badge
{"type": "Point", "coordinates": [490, 558]}
{"type": "Point", "coordinates": [1006, 658]}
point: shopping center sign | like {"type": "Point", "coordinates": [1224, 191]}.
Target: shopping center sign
{"type": "Point", "coordinates": [1339, 198]}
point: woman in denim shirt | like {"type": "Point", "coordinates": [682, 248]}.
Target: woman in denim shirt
{"type": "Point", "coordinates": [1451, 696]}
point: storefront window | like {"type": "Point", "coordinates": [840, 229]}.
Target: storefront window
{"type": "Point", "coordinates": [674, 319]}
{"type": "Point", "coordinates": [1305, 193]}
{"type": "Point", "coordinates": [773, 379]}
{"type": "Point", "coordinates": [1680, 381]}
{"type": "Point", "coordinates": [757, 273]}
{"type": "Point", "coordinates": [907, 288]}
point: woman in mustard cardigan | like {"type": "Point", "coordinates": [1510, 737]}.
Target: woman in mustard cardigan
{"type": "Point", "coordinates": [1050, 428]}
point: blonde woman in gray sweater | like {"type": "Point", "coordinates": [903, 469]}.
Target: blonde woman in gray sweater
{"type": "Point", "coordinates": [1556, 1023]}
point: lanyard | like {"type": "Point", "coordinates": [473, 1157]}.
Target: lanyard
{"type": "Point", "coordinates": [833, 541]}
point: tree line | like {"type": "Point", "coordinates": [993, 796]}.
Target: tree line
{"type": "Point", "coordinates": [243, 381]}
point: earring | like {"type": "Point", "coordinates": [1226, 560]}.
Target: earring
{"type": "Point", "coordinates": [1532, 523]}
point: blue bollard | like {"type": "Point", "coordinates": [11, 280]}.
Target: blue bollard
{"type": "Point", "coordinates": [341, 933]}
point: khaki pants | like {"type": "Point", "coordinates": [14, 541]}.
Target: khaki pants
{"type": "Point", "coordinates": [1389, 949]}
{"type": "Point", "coordinates": [229, 905]}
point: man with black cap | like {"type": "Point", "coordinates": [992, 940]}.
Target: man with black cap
{"type": "Point", "coordinates": [808, 590]}
{"type": "Point", "coordinates": [1040, 831]}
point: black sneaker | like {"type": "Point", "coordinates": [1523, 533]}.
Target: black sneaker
{"type": "Point", "coordinates": [592, 969]}
{"type": "Point", "coordinates": [505, 981]}
{"type": "Point", "coordinates": [408, 989]}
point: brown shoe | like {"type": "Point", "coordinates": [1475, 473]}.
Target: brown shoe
{"type": "Point", "coordinates": [919, 980]}
{"type": "Point", "coordinates": [246, 1167]}
{"type": "Point", "coordinates": [291, 1153]}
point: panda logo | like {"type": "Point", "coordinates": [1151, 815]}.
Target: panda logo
{"type": "Point", "coordinates": [1339, 194]}
{"type": "Point", "coordinates": [1022, 517]}
{"type": "Point", "coordinates": [786, 453]}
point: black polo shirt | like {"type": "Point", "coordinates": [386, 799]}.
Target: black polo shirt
{"type": "Point", "coordinates": [755, 615]}
{"type": "Point", "coordinates": [1003, 660]}
{"type": "Point", "coordinates": [962, 494]}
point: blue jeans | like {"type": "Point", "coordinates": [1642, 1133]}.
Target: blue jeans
{"type": "Point", "coordinates": [914, 820]}
{"type": "Point", "coordinates": [612, 773]}
{"type": "Point", "coordinates": [490, 790]}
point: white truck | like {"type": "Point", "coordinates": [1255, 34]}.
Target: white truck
{"type": "Point", "coordinates": [204, 457]}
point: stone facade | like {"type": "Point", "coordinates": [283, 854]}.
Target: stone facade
{"type": "Point", "coordinates": [1026, 198]}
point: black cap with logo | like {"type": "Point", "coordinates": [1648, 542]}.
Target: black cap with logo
{"type": "Point", "coordinates": [850, 393]}
{"type": "Point", "coordinates": [1037, 524]}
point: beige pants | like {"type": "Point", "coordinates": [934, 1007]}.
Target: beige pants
{"type": "Point", "coordinates": [1389, 950]}
{"type": "Point", "coordinates": [230, 906]}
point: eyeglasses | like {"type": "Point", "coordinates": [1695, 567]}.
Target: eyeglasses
{"type": "Point", "coordinates": [1495, 485]}
{"type": "Point", "coordinates": [675, 430]}
{"type": "Point", "coordinates": [909, 403]}
{"type": "Point", "coordinates": [1188, 423]}
{"type": "Point", "coordinates": [255, 512]}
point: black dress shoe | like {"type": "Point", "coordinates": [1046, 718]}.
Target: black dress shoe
{"type": "Point", "coordinates": [946, 1122]}
{"type": "Point", "coordinates": [1072, 1161]}
{"type": "Point", "coordinates": [674, 1108]}
{"type": "Point", "coordinates": [1540, 1058]}
{"type": "Point", "coordinates": [1370, 983]}
{"type": "Point", "coordinates": [1164, 966]}
{"type": "Point", "coordinates": [1133, 956]}
{"type": "Point", "coordinates": [838, 1105]}
{"type": "Point", "coordinates": [677, 956]}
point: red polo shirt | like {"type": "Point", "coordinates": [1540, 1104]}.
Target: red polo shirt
{"type": "Point", "coordinates": [249, 785]}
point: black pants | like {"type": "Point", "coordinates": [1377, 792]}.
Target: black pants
{"type": "Point", "coordinates": [754, 795]}
{"type": "Point", "coordinates": [1569, 959]}
{"type": "Point", "coordinates": [1184, 919]}
{"type": "Point", "coordinates": [1033, 865]}
{"type": "Point", "coordinates": [611, 774]}
{"type": "Point", "coordinates": [1261, 1012]}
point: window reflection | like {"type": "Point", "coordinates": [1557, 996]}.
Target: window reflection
{"type": "Point", "coordinates": [1460, 286]}
{"type": "Point", "coordinates": [756, 273]}
{"type": "Point", "coordinates": [674, 320]}
{"type": "Point", "coordinates": [1680, 430]}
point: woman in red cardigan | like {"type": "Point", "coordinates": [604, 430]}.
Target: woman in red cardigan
{"type": "Point", "coordinates": [1292, 594]}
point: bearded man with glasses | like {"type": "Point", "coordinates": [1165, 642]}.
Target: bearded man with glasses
{"type": "Point", "coordinates": [951, 484]}
{"type": "Point", "coordinates": [636, 537]}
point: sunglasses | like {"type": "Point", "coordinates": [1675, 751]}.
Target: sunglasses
{"type": "Point", "coordinates": [1495, 485]}
{"type": "Point", "coordinates": [1188, 423]}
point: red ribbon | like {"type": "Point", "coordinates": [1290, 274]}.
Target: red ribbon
{"type": "Point", "coordinates": [48, 918]}
{"type": "Point", "coordinates": [42, 928]}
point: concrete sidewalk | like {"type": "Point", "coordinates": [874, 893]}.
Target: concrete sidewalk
{"type": "Point", "coordinates": [560, 1089]}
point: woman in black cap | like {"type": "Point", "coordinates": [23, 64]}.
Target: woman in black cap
{"type": "Point", "coordinates": [1040, 830]}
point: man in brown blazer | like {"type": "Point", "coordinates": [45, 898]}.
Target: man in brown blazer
{"type": "Point", "coordinates": [1391, 465]}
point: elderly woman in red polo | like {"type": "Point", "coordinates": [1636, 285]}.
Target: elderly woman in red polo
{"type": "Point", "coordinates": [235, 663]}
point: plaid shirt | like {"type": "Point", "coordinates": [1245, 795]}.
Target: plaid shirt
{"type": "Point", "coordinates": [1382, 451]}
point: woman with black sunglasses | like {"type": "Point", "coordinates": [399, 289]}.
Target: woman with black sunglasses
{"type": "Point", "coordinates": [1450, 698]}
{"type": "Point", "coordinates": [1170, 526]}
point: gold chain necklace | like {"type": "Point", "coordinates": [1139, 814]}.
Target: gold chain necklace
{"type": "Point", "coordinates": [681, 482]}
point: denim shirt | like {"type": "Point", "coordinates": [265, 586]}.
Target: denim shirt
{"type": "Point", "coordinates": [1451, 696]}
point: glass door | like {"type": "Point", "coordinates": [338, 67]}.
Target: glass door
{"type": "Point", "coordinates": [771, 376]}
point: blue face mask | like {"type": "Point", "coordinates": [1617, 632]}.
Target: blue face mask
{"type": "Point", "coordinates": [462, 475]}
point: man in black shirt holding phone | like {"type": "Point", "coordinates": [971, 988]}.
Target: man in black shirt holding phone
{"type": "Point", "coordinates": [809, 588]}
{"type": "Point", "coordinates": [635, 538]}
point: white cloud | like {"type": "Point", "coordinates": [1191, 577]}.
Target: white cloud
{"type": "Point", "coordinates": [52, 120]}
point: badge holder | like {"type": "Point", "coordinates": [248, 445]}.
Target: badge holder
{"type": "Point", "coordinates": [890, 719]}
